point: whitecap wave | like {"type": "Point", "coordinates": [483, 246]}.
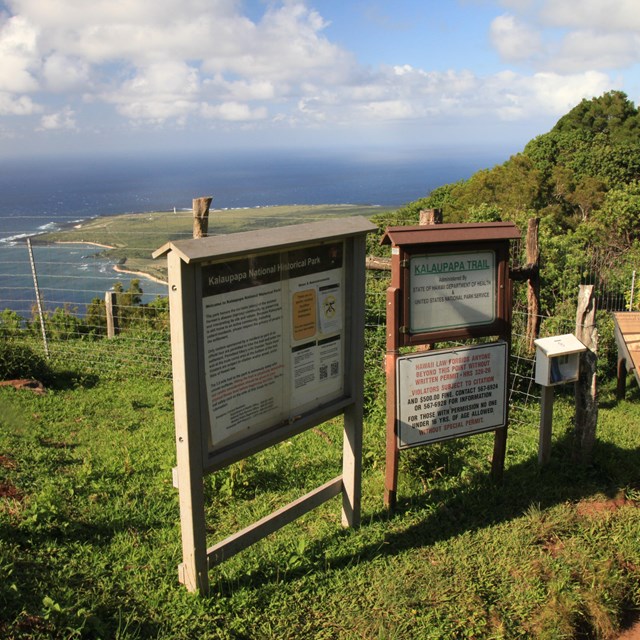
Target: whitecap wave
{"type": "Point", "coordinates": [50, 226]}
{"type": "Point", "coordinates": [13, 240]}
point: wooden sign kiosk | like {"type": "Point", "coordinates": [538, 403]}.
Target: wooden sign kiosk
{"type": "Point", "coordinates": [449, 282]}
{"type": "Point", "coordinates": [267, 341]}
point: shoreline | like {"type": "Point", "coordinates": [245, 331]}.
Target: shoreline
{"type": "Point", "coordinates": [142, 274]}
{"type": "Point", "coordinates": [93, 244]}
{"type": "Point", "coordinates": [116, 267]}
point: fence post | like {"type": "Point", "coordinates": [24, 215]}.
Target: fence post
{"type": "Point", "coordinates": [38, 298]}
{"type": "Point", "coordinates": [430, 216]}
{"type": "Point", "coordinates": [201, 216]}
{"type": "Point", "coordinates": [633, 286]}
{"type": "Point", "coordinates": [111, 309]}
{"type": "Point", "coordinates": [533, 283]}
{"type": "Point", "coordinates": [586, 393]}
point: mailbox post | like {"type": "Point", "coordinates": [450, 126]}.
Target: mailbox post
{"type": "Point", "coordinates": [557, 362]}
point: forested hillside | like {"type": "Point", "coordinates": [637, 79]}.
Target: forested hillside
{"type": "Point", "coordinates": [582, 179]}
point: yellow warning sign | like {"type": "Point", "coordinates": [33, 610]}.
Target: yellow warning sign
{"type": "Point", "coordinates": [304, 314]}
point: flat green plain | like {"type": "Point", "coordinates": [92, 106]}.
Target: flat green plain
{"type": "Point", "coordinates": [130, 239]}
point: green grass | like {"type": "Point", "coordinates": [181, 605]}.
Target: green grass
{"type": "Point", "coordinates": [90, 534]}
{"type": "Point", "coordinates": [133, 237]}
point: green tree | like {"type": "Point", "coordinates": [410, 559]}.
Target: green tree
{"type": "Point", "coordinates": [617, 224]}
{"type": "Point", "coordinates": [484, 213]}
{"type": "Point", "coordinates": [95, 320]}
{"type": "Point", "coordinates": [513, 188]}
{"type": "Point", "coordinates": [609, 114]}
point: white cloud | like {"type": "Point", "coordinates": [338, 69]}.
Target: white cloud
{"type": "Point", "coordinates": [62, 73]}
{"type": "Point", "coordinates": [64, 119]}
{"type": "Point", "coordinates": [158, 92]}
{"type": "Point", "coordinates": [388, 110]}
{"type": "Point", "coordinates": [518, 97]}
{"type": "Point", "coordinates": [607, 15]}
{"type": "Point", "coordinates": [156, 111]}
{"type": "Point", "coordinates": [557, 93]}
{"type": "Point", "coordinates": [561, 36]}
{"type": "Point", "coordinates": [202, 62]}
{"type": "Point", "coordinates": [18, 55]}
{"type": "Point", "coordinates": [233, 112]}
{"type": "Point", "coordinates": [513, 39]}
{"type": "Point", "coordinates": [517, 5]}
{"type": "Point", "coordinates": [11, 105]}
{"type": "Point", "coordinates": [593, 50]}
{"type": "Point", "coordinates": [286, 48]}
{"type": "Point", "coordinates": [407, 93]}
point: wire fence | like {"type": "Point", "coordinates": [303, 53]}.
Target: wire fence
{"type": "Point", "coordinates": [73, 278]}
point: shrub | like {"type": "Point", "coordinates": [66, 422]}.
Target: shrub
{"type": "Point", "coordinates": [20, 361]}
{"type": "Point", "coordinates": [10, 323]}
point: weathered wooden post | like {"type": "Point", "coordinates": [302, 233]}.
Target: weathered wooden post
{"type": "Point", "coordinates": [586, 392]}
{"type": "Point", "coordinates": [533, 283]}
{"type": "Point", "coordinates": [201, 216]}
{"type": "Point", "coordinates": [111, 311]}
{"type": "Point", "coordinates": [430, 216]}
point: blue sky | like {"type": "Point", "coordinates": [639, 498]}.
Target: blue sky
{"type": "Point", "coordinates": [460, 76]}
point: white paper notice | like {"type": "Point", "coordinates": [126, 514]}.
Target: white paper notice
{"type": "Point", "coordinates": [273, 338]}
{"type": "Point", "coordinates": [317, 345]}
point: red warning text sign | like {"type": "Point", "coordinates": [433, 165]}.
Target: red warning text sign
{"type": "Point", "coordinates": [450, 393]}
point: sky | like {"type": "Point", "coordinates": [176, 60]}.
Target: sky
{"type": "Point", "coordinates": [146, 75]}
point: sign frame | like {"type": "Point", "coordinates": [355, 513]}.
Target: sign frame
{"type": "Point", "coordinates": [195, 454]}
{"type": "Point", "coordinates": [456, 375]}
{"type": "Point", "coordinates": [409, 243]}
{"type": "Point", "coordinates": [463, 330]}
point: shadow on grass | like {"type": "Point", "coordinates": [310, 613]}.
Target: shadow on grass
{"type": "Point", "coordinates": [482, 503]}
{"type": "Point", "coordinates": [65, 380]}
{"type": "Point", "coordinates": [478, 503]}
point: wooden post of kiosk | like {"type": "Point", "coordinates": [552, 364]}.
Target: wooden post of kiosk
{"type": "Point", "coordinates": [267, 341]}
{"type": "Point", "coordinates": [449, 282]}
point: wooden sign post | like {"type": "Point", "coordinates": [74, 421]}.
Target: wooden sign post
{"type": "Point", "coordinates": [448, 282]}
{"type": "Point", "coordinates": [267, 339]}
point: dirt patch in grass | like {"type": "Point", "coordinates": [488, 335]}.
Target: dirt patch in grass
{"type": "Point", "coordinates": [7, 462]}
{"type": "Point", "coordinates": [633, 633]}
{"type": "Point", "coordinates": [591, 508]}
{"type": "Point", "coordinates": [10, 491]}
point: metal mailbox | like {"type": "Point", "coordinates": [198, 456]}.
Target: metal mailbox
{"type": "Point", "coordinates": [558, 359]}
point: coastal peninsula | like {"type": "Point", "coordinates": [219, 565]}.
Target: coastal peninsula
{"type": "Point", "coordinates": [129, 239]}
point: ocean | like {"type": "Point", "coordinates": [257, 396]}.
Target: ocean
{"type": "Point", "coordinates": [41, 194]}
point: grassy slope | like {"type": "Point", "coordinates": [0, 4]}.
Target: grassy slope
{"type": "Point", "coordinates": [90, 540]}
{"type": "Point", "coordinates": [135, 236]}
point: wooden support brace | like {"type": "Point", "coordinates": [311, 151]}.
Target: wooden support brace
{"type": "Point", "coordinates": [274, 521]}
